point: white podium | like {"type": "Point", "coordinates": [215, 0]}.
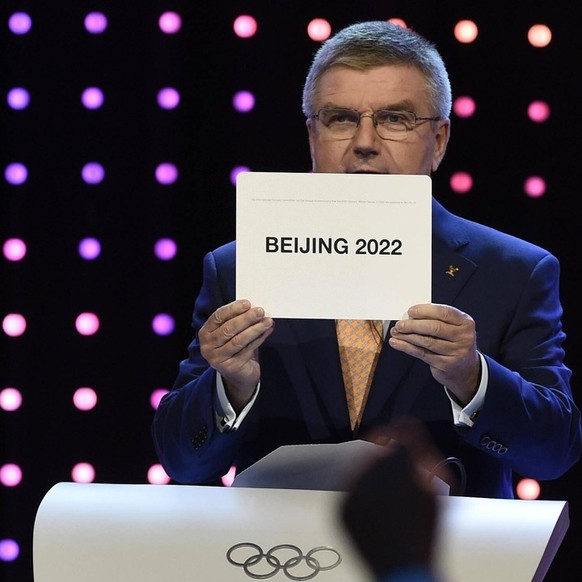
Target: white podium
{"type": "Point", "coordinates": [150, 533]}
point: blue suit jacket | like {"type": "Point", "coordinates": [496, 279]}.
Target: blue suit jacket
{"type": "Point", "coordinates": [528, 424]}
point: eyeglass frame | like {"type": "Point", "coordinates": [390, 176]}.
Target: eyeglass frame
{"type": "Point", "coordinates": [372, 116]}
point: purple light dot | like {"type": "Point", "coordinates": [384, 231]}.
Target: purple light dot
{"type": "Point", "coordinates": [92, 98]}
{"type": "Point", "coordinates": [538, 111]}
{"type": "Point", "coordinates": [157, 475]}
{"type": "Point", "coordinates": [85, 398]}
{"type": "Point", "coordinates": [20, 23]}
{"type": "Point", "coordinates": [236, 171]}
{"type": "Point", "coordinates": [10, 475]}
{"type": "Point", "coordinates": [16, 173]}
{"type": "Point", "coordinates": [14, 325]}
{"type": "Point", "coordinates": [168, 98]}
{"type": "Point", "coordinates": [170, 22]}
{"type": "Point", "coordinates": [535, 186]}
{"type": "Point", "coordinates": [156, 396]}
{"type": "Point", "coordinates": [243, 101]}
{"type": "Point", "coordinates": [87, 324]}
{"type": "Point", "coordinates": [18, 98]}
{"type": "Point", "coordinates": [165, 249]}
{"type": "Point", "coordinates": [166, 173]}
{"type": "Point", "coordinates": [464, 106]}
{"type": "Point", "coordinates": [14, 249]}
{"type": "Point", "coordinates": [461, 182]}
{"type": "Point", "coordinates": [10, 399]}
{"type": "Point", "coordinates": [89, 248]}
{"type": "Point", "coordinates": [163, 324]}
{"type": "Point", "coordinates": [9, 550]}
{"type": "Point", "coordinates": [319, 29]}
{"type": "Point", "coordinates": [83, 473]}
{"type": "Point", "coordinates": [95, 22]}
{"type": "Point", "coordinates": [93, 173]}
{"type": "Point", "coordinates": [245, 26]}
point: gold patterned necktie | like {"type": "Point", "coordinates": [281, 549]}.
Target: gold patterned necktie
{"type": "Point", "coordinates": [360, 342]}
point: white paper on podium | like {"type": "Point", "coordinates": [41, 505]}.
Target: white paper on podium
{"type": "Point", "coordinates": [333, 246]}
{"type": "Point", "coordinates": [324, 467]}
{"type": "Point", "coordinates": [148, 533]}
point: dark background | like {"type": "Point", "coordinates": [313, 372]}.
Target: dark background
{"type": "Point", "coordinates": [130, 135]}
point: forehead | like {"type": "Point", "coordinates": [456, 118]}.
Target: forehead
{"type": "Point", "coordinates": [384, 86]}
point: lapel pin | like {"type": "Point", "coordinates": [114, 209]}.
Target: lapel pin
{"type": "Point", "coordinates": [452, 270]}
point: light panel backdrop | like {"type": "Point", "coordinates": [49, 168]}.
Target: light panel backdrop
{"type": "Point", "coordinates": [123, 125]}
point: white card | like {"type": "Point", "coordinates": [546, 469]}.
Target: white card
{"type": "Point", "coordinates": [333, 246]}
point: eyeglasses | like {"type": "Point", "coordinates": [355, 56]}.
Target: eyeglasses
{"type": "Point", "coordinates": [341, 123]}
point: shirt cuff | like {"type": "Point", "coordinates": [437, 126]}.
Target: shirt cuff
{"type": "Point", "coordinates": [227, 420]}
{"type": "Point", "coordinates": [465, 417]}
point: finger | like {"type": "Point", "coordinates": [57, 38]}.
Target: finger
{"type": "Point", "coordinates": [226, 313]}
{"type": "Point", "coordinates": [438, 311]}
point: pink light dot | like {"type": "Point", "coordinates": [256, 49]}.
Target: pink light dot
{"type": "Point", "coordinates": [245, 26]}
{"type": "Point", "coordinates": [157, 475]}
{"type": "Point", "coordinates": [18, 98]}
{"type": "Point", "coordinates": [9, 550]}
{"type": "Point", "coordinates": [14, 324]}
{"type": "Point", "coordinates": [87, 324]}
{"type": "Point", "coordinates": [398, 22]}
{"type": "Point", "coordinates": [10, 475]}
{"type": "Point", "coordinates": [14, 249]}
{"type": "Point", "coordinates": [85, 399]}
{"type": "Point", "coordinates": [92, 98]}
{"type": "Point", "coordinates": [243, 101]}
{"type": "Point", "coordinates": [16, 173]}
{"type": "Point", "coordinates": [466, 31]}
{"type": "Point", "coordinates": [166, 173]}
{"type": "Point", "coordinates": [168, 98]}
{"type": "Point", "coordinates": [535, 186]}
{"type": "Point", "coordinates": [10, 399]}
{"type": "Point", "coordinates": [93, 173]}
{"type": "Point", "coordinates": [20, 23]}
{"type": "Point", "coordinates": [228, 479]}
{"type": "Point", "coordinates": [163, 324]}
{"type": "Point", "coordinates": [83, 473]}
{"type": "Point", "coordinates": [464, 107]}
{"type": "Point", "coordinates": [165, 249]}
{"type": "Point", "coordinates": [538, 111]}
{"type": "Point", "coordinates": [528, 489]}
{"type": "Point", "coordinates": [236, 171]}
{"type": "Point", "coordinates": [170, 22]}
{"type": "Point", "coordinates": [156, 396]}
{"type": "Point", "coordinates": [539, 35]}
{"type": "Point", "coordinates": [95, 22]}
{"type": "Point", "coordinates": [89, 248]}
{"type": "Point", "coordinates": [319, 29]}
{"type": "Point", "coordinates": [461, 182]}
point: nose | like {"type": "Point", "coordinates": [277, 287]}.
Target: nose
{"type": "Point", "coordinates": [366, 140]}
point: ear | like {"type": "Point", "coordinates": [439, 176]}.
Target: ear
{"type": "Point", "coordinates": [311, 133]}
{"type": "Point", "coordinates": [442, 136]}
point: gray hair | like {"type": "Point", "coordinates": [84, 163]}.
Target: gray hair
{"type": "Point", "coordinates": [366, 45]}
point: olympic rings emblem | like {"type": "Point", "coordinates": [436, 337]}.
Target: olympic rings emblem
{"type": "Point", "coordinates": [299, 566]}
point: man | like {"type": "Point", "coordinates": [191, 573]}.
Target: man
{"type": "Point", "coordinates": [481, 367]}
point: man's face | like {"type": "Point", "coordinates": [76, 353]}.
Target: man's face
{"type": "Point", "coordinates": [386, 87]}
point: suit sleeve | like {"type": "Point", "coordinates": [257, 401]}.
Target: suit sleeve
{"type": "Point", "coordinates": [189, 446]}
{"type": "Point", "coordinates": [529, 419]}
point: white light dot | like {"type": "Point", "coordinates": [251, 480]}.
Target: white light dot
{"type": "Point", "coordinates": [83, 473]}
{"type": "Point", "coordinates": [539, 35]}
{"type": "Point", "coordinates": [157, 475]}
{"type": "Point", "coordinates": [85, 398]}
{"type": "Point", "coordinates": [319, 29]}
{"type": "Point", "coordinates": [466, 31]}
{"type": "Point", "coordinates": [87, 323]}
{"type": "Point", "coordinates": [10, 399]}
{"type": "Point", "coordinates": [10, 475]}
{"type": "Point", "coordinates": [245, 26]}
{"type": "Point", "coordinates": [14, 324]}
{"type": "Point", "coordinates": [156, 396]}
{"type": "Point", "coordinates": [528, 489]}
{"type": "Point", "coordinates": [14, 249]}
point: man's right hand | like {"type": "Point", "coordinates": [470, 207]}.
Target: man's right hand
{"type": "Point", "coordinates": [229, 342]}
